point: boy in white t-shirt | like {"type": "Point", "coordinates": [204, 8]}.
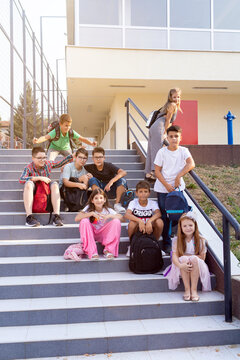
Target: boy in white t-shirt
{"type": "Point", "coordinates": [171, 164]}
{"type": "Point", "coordinates": [144, 214]}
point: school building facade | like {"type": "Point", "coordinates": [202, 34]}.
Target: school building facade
{"type": "Point", "coordinates": [139, 49]}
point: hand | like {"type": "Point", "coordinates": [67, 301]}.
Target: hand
{"type": "Point", "coordinates": [186, 267]}
{"type": "Point", "coordinates": [149, 227]}
{"type": "Point", "coordinates": [82, 186]}
{"type": "Point", "coordinates": [83, 178]}
{"type": "Point", "coordinates": [45, 179]}
{"type": "Point", "coordinates": [89, 176]}
{"type": "Point", "coordinates": [108, 186]}
{"type": "Point", "coordinates": [169, 187]}
{"type": "Point", "coordinates": [142, 227]}
{"type": "Point", "coordinates": [94, 143]}
{"type": "Point", "coordinates": [35, 140]}
{"type": "Point", "coordinates": [177, 182]}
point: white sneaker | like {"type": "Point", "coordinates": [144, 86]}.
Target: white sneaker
{"type": "Point", "coordinates": [128, 251]}
{"type": "Point", "coordinates": [119, 209]}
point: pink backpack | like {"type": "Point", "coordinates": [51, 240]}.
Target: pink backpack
{"type": "Point", "coordinates": [74, 252]}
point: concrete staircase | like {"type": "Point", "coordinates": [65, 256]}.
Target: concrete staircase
{"type": "Point", "coordinates": [53, 307]}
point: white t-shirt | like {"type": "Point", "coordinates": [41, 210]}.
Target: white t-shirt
{"type": "Point", "coordinates": [172, 162]}
{"type": "Point", "coordinates": [99, 223]}
{"type": "Point", "coordinates": [143, 212]}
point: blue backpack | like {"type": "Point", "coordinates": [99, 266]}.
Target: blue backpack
{"type": "Point", "coordinates": [175, 205]}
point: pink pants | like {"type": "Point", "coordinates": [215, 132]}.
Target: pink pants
{"type": "Point", "coordinates": [108, 235]}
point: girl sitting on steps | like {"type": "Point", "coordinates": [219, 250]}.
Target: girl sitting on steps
{"type": "Point", "coordinates": [98, 222]}
{"type": "Point", "coordinates": [188, 255]}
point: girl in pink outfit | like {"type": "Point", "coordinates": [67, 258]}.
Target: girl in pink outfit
{"type": "Point", "coordinates": [188, 255]}
{"type": "Point", "coordinates": [98, 222]}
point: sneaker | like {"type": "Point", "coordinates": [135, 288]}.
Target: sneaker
{"type": "Point", "coordinates": [119, 209]}
{"type": "Point", "coordinates": [128, 251]}
{"type": "Point", "coordinates": [31, 221]}
{"type": "Point", "coordinates": [57, 221]}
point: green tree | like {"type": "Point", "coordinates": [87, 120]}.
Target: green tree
{"type": "Point", "coordinates": [19, 115]}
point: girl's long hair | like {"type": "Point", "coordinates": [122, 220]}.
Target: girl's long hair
{"type": "Point", "coordinates": [181, 243]}
{"type": "Point", "coordinates": [91, 206]}
{"type": "Point", "coordinates": [170, 102]}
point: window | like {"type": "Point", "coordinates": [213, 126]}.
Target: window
{"type": "Point", "coordinates": [103, 37]}
{"type": "Point", "coordinates": [190, 40]}
{"type": "Point", "coordinates": [190, 13]}
{"type": "Point", "coordinates": [100, 12]}
{"type": "Point", "coordinates": [226, 14]}
{"type": "Point", "coordinates": [146, 13]}
{"type": "Point", "coordinates": [227, 41]}
{"type": "Point", "coordinates": [146, 39]}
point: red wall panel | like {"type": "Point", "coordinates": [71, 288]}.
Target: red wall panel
{"type": "Point", "coordinates": [188, 120]}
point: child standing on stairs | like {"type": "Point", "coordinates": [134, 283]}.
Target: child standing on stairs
{"type": "Point", "coordinates": [98, 222]}
{"type": "Point", "coordinates": [188, 255]}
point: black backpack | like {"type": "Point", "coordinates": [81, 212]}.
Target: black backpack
{"type": "Point", "coordinates": [74, 198]}
{"type": "Point", "coordinates": [175, 205]}
{"type": "Point", "coordinates": [145, 254]}
{"type": "Point", "coordinates": [55, 125]}
{"type": "Point", "coordinates": [152, 118]}
{"type": "Point", "coordinates": [126, 197]}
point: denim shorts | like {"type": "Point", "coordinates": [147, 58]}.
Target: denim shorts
{"type": "Point", "coordinates": [112, 193]}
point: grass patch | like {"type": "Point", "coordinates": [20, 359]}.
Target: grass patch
{"type": "Point", "coordinates": [224, 182]}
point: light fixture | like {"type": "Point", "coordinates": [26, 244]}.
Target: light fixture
{"type": "Point", "coordinates": [127, 86]}
{"type": "Point", "coordinates": [210, 87]}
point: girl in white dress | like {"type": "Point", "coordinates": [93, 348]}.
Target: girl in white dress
{"type": "Point", "coordinates": [188, 255]}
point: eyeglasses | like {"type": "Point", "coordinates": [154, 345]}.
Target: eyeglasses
{"type": "Point", "coordinates": [41, 158]}
{"type": "Point", "coordinates": [98, 157]}
{"type": "Point", "coordinates": [82, 158]}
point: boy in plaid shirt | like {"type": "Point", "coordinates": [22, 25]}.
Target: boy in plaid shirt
{"type": "Point", "coordinates": [39, 170]}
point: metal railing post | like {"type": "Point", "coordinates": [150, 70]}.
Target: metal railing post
{"type": "Point", "coordinates": [24, 125]}
{"type": "Point", "coordinates": [41, 44]}
{"type": "Point", "coordinates": [128, 134]}
{"type": "Point", "coordinates": [34, 88]}
{"type": "Point", "coordinates": [53, 97]}
{"type": "Point", "coordinates": [11, 78]}
{"type": "Point", "coordinates": [227, 271]}
{"type": "Point", "coordinates": [48, 92]}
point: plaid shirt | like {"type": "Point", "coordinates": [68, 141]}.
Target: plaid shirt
{"type": "Point", "coordinates": [30, 170]}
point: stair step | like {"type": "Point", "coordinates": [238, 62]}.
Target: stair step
{"type": "Point", "coordinates": [15, 174]}
{"type": "Point", "coordinates": [18, 232]}
{"type": "Point", "coordinates": [28, 152]}
{"type": "Point", "coordinates": [115, 336]}
{"type": "Point", "coordinates": [191, 353]}
{"type": "Point", "coordinates": [108, 283]}
{"type": "Point", "coordinates": [77, 309]}
{"type": "Point", "coordinates": [52, 265]}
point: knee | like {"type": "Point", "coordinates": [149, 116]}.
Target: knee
{"type": "Point", "coordinates": [116, 222]}
{"type": "Point", "coordinates": [194, 260]}
{"type": "Point", "coordinates": [84, 221]}
{"type": "Point", "coordinates": [29, 186]}
{"type": "Point", "coordinates": [159, 224]}
{"type": "Point", "coordinates": [184, 259]}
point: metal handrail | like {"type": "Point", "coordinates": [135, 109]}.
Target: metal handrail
{"type": "Point", "coordinates": [227, 217]}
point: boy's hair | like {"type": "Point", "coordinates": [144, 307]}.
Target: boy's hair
{"type": "Point", "coordinates": [98, 149]}
{"type": "Point", "coordinates": [36, 150]}
{"type": "Point", "coordinates": [65, 118]}
{"type": "Point", "coordinates": [143, 185]}
{"type": "Point", "coordinates": [82, 151]}
{"type": "Point", "coordinates": [175, 128]}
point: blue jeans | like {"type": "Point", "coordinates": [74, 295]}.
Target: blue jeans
{"type": "Point", "coordinates": [167, 242]}
{"type": "Point", "coordinates": [112, 193]}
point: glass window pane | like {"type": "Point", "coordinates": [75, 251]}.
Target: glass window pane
{"type": "Point", "coordinates": [190, 13]}
{"type": "Point", "coordinates": [190, 40]}
{"type": "Point", "coordinates": [148, 13]}
{"type": "Point", "coordinates": [146, 39]}
{"type": "Point", "coordinates": [101, 12]}
{"type": "Point", "coordinates": [226, 14]}
{"type": "Point", "coordinates": [103, 37]}
{"type": "Point", "coordinates": [227, 41]}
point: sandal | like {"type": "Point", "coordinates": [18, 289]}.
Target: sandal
{"type": "Point", "coordinates": [95, 257]}
{"type": "Point", "coordinates": [150, 177]}
{"type": "Point", "coordinates": [108, 255]}
{"type": "Point", "coordinates": [187, 297]}
{"type": "Point", "coordinates": [195, 298]}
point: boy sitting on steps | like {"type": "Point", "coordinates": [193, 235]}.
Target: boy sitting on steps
{"type": "Point", "coordinates": [144, 214]}
{"type": "Point", "coordinates": [39, 170]}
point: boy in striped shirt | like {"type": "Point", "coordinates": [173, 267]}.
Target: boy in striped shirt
{"type": "Point", "coordinates": [39, 170]}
